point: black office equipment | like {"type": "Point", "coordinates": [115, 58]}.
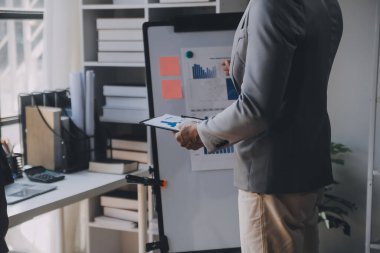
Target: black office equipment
{"type": "Point", "coordinates": [198, 208]}
{"type": "Point", "coordinates": [75, 144]}
{"type": "Point", "coordinates": [56, 98]}
{"type": "Point", "coordinates": [42, 175]}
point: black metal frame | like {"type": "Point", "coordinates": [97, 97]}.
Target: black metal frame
{"type": "Point", "coordinates": [6, 121]}
{"type": "Point", "coordinates": [22, 14]}
{"type": "Point", "coordinates": [187, 23]}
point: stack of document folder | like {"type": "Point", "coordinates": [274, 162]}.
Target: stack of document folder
{"type": "Point", "coordinates": [125, 104]}
{"type": "Point", "coordinates": [132, 150]}
{"type": "Point", "coordinates": [120, 40]}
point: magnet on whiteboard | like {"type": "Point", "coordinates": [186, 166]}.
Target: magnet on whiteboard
{"type": "Point", "coordinates": [189, 54]}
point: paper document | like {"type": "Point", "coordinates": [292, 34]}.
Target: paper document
{"type": "Point", "coordinates": [169, 122]}
{"type": "Point", "coordinates": [208, 91]}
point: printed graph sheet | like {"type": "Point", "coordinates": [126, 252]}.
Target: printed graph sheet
{"type": "Point", "coordinates": [208, 91]}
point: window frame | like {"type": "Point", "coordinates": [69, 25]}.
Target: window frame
{"type": "Point", "coordinates": [21, 14]}
{"type": "Point", "coordinates": [17, 14]}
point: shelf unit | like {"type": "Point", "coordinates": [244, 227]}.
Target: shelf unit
{"type": "Point", "coordinates": [110, 238]}
{"type": "Point", "coordinates": [130, 73]}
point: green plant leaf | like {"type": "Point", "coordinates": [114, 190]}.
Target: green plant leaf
{"type": "Point", "coordinates": [332, 215]}
{"type": "Point", "coordinates": [337, 161]}
{"type": "Point", "coordinates": [337, 148]}
{"type": "Point", "coordinates": [333, 209]}
{"type": "Point", "coordinates": [348, 204]}
{"type": "Point", "coordinates": [336, 222]}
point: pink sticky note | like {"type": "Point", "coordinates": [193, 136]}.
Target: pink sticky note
{"type": "Point", "coordinates": [171, 89]}
{"type": "Point", "coordinates": [169, 66]}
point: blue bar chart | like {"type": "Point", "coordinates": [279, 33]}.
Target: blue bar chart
{"type": "Point", "coordinates": [200, 72]}
{"type": "Point", "coordinates": [231, 92]}
{"type": "Point", "coordinates": [227, 150]}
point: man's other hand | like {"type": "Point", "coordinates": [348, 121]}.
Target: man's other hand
{"type": "Point", "coordinates": [226, 67]}
{"type": "Point", "coordinates": [188, 136]}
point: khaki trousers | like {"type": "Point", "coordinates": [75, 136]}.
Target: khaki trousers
{"type": "Point", "coordinates": [279, 223]}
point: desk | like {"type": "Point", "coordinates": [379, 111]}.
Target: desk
{"type": "Point", "coordinates": [76, 187]}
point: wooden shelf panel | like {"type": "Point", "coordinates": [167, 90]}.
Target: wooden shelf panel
{"type": "Point", "coordinates": [111, 226]}
{"type": "Point", "coordinates": [181, 5]}
{"type": "Point", "coordinates": [375, 246]}
{"type": "Point", "coordinates": [113, 64]}
{"type": "Point", "coordinates": [142, 6]}
{"type": "Point", "coordinates": [112, 6]}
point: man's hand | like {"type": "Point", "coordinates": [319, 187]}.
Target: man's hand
{"type": "Point", "coordinates": [226, 67]}
{"type": "Point", "coordinates": [188, 136]}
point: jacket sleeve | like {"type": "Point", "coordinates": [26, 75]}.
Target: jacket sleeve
{"type": "Point", "coordinates": [273, 29]}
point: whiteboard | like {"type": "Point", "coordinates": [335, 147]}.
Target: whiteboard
{"type": "Point", "coordinates": [199, 207]}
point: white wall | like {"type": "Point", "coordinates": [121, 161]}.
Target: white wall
{"type": "Point", "coordinates": [349, 92]}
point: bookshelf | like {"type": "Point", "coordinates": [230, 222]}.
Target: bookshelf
{"type": "Point", "coordinates": [111, 237]}
{"type": "Point", "coordinates": [128, 73]}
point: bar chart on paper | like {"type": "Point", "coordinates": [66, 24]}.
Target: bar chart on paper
{"type": "Point", "coordinates": [208, 91]}
{"type": "Point", "coordinates": [205, 83]}
{"type": "Point", "coordinates": [223, 158]}
{"type": "Point", "coordinates": [200, 72]}
{"type": "Point", "coordinates": [227, 150]}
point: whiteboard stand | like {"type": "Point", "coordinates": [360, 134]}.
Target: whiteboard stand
{"type": "Point", "coordinates": [198, 208]}
{"type": "Point", "coordinates": [156, 185]}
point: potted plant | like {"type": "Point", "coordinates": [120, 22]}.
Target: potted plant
{"type": "Point", "coordinates": [334, 209]}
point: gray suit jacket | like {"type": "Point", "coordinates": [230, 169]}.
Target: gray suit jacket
{"type": "Point", "coordinates": [281, 60]}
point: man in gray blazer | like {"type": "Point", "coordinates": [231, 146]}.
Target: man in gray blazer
{"type": "Point", "coordinates": [282, 55]}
